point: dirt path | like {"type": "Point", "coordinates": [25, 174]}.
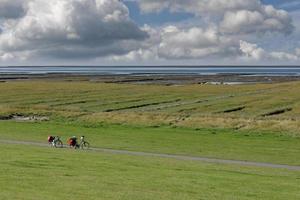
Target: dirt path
{"type": "Point", "coordinates": [178, 157]}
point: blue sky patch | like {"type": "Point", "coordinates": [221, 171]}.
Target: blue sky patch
{"type": "Point", "coordinates": [289, 5]}
{"type": "Point", "coordinates": [155, 18]}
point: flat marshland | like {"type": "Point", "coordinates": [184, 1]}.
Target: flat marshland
{"type": "Point", "coordinates": [263, 107]}
{"type": "Point", "coordinates": [256, 122]}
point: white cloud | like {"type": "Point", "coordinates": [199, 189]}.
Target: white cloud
{"type": "Point", "coordinates": [172, 42]}
{"type": "Point", "coordinates": [232, 20]}
{"type": "Point", "coordinates": [81, 29]}
{"type": "Point", "coordinates": [194, 43]}
{"type": "Point", "coordinates": [198, 7]}
{"type": "Point", "coordinates": [139, 55]}
{"type": "Point", "coordinates": [66, 28]}
{"type": "Point", "coordinates": [266, 19]}
{"type": "Point", "coordinates": [252, 51]}
{"type": "Point", "coordinates": [233, 16]}
{"type": "Point", "coordinates": [6, 56]}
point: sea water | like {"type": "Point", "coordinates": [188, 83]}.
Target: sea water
{"type": "Point", "coordinates": [166, 70]}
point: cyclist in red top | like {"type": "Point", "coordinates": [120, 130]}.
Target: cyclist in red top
{"type": "Point", "coordinates": [50, 139]}
{"type": "Point", "coordinates": [72, 141]}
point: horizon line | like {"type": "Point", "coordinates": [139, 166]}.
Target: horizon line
{"type": "Point", "coordinates": [154, 66]}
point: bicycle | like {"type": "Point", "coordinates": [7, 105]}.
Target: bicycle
{"type": "Point", "coordinates": [83, 144]}
{"type": "Point", "coordinates": [57, 143]}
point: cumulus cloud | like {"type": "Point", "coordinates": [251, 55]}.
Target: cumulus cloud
{"type": "Point", "coordinates": [198, 7]}
{"type": "Point", "coordinates": [235, 16]}
{"type": "Point", "coordinates": [193, 43]}
{"type": "Point", "coordinates": [6, 56]}
{"type": "Point", "coordinates": [71, 28]}
{"type": "Point", "coordinates": [172, 42]}
{"type": "Point", "coordinates": [103, 28]}
{"type": "Point", "coordinates": [139, 55]}
{"type": "Point", "coordinates": [144, 51]}
{"type": "Point", "coordinates": [226, 22]}
{"type": "Point", "coordinates": [266, 19]}
{"type": "Point", "coordinates": [252, 51]}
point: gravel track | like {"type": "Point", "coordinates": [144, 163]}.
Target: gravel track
{"type": "Point", "coordinates": [178, 157]}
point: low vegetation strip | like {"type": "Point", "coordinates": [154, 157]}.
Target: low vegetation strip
{"type": "Point", "coordinates": [210, 99]}
{"type": "Point", "coordinates": [277, 112]}
{"type": "Point", "coordinates": [189, 158]}
{"type": "Point", "coordinates": [141, 105]}
{"type": "Point", "coordinates": [234, 109]}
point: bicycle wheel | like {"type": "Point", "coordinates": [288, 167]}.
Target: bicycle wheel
{"type": "Point", "coordinates": [59, 144]}
{"type": "Point", "coordinates": [85, 145]}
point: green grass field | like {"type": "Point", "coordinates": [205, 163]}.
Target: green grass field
{"type": "Point", "coordinates": [216, 143]}
{"type": "Point", "coordinates": [257, 123]}
{"type": "Point", "coordinates": [34, 173]}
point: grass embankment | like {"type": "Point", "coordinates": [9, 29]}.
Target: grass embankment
{"type": "Point", "coordinates": [269, 107]}
{"type": "Point", "coordinates": [33, 173]}
{"type": "Point", "coordinates": [214, 143]}
{"type": "Point", "coordinates": [253, 122]}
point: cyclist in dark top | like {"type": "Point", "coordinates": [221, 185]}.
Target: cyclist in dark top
{"type": "Point", "coordinates": [72, 141]}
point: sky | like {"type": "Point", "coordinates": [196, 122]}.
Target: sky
{"type": "Point", "coordinates": [149, 32]}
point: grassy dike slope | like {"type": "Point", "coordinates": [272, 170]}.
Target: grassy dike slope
{"type": "Point", "coordinates": [213, 143]}
{"type": "Point", "coordinates": [34, 173]}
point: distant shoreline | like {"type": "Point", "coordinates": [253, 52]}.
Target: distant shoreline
{"type": "Point", "coordinates": [164, 79]}
{"type": "Point", "coordinates": [155, 75]}
{"type": "Point", "coordinates": [152, 71]}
